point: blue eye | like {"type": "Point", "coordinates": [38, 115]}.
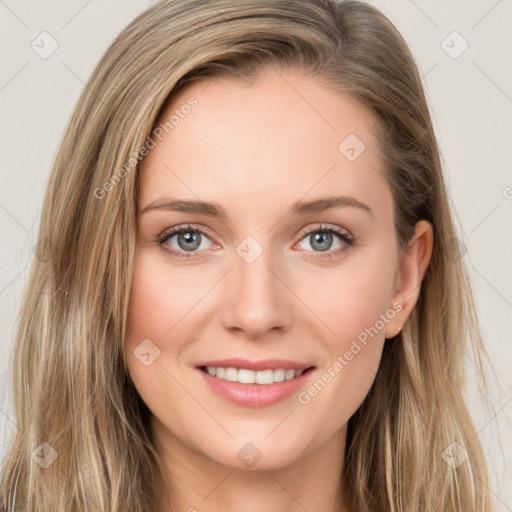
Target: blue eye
{"type": "Point", "coordinates": [191, 240]}
{"type": "Point", "coordinates": [188, 239]}
{"type": "Point", "coordinates": [322, 238]}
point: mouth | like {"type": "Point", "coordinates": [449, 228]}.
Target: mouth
{"type": "Point", "coordinates": [254, 383]}
{"type": "Point", "coordinates": [248, 376]}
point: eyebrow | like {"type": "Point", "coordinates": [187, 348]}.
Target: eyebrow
{"type": "Point", "coordinates": [215, 210]}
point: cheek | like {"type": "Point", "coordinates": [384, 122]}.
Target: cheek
{"type": "Point", "coordinates": [159, 312]}
{"type": "Point", "coordinates": [354, 299]}
{"type": "Point", "coordinates": [161, 318]}
{"type": "Point", "coordinates": [356, 308]}
{"type": "Point", "coordinates": [161, 299]}
{"type": "Point", "coordinates": [148, 303]}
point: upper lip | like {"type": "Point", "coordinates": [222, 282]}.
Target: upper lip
{"type": "Point", "coordinates": [264, 364]}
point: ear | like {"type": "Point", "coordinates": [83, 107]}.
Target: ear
{"type": "Point", "coordinates": [410, 272]}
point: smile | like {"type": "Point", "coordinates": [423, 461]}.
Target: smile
{"type": "Point", "coordinates": [255, 388]}
{"type": "Point", "coordinates": [245, 376]}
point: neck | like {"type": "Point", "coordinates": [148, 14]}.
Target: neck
{"type": "Point", "coordinates": [196, 482]}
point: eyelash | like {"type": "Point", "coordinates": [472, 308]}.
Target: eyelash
{"type": "Point", "coordinates": [344, 235]}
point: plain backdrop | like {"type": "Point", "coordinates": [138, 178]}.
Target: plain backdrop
{"type": "Point", "coordinates": [463, 50]}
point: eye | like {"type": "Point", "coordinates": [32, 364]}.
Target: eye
{"type": "Point", "coordinates": [187, 241]}
{"type": "Point", "coordinates": [322, 238]}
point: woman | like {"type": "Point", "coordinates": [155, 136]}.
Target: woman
{"type": "Point", "coordinates": [246, 295]}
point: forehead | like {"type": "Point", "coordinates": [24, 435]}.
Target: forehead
{"type": "Point", "coordinates": [282, 138]}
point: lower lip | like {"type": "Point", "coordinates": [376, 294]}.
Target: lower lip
{"type": "Point", "coordinates": [255, 395]}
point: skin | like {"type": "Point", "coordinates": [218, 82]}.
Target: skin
{"type": "Point", "coordinates": [256, 150]}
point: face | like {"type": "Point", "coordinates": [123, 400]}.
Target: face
{"type": "Point", "coordinates": [267, 271]}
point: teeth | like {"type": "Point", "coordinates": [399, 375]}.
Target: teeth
{"type": "Point", "coordinates": [251, 377]}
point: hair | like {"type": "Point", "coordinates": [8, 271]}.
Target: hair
{"type": "Point", "coordinates": [71, 387]}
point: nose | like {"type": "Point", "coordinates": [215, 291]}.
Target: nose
{"type": "Point", "coordinates": [258, 299]}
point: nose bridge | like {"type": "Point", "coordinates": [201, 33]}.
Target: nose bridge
{"type": "Point", "coordinates": [258, 300]}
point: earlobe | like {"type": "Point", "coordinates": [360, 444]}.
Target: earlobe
{"type": "Point", "coordinates": [392, 331]}
{"type": "Point", "coordinates": [410, 273]}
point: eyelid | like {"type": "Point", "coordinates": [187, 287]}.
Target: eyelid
{"type": "Point", "coordinates": [321, 226]}
{"type": "Point", "coordinates": [166, 233]}
{"type": "Point", "coordinates": [174, 231]}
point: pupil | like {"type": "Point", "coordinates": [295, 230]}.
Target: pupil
{"type": "Point", "coordinates": [188, 237]}
{"type": "Point", "coordinates": [320, 237]}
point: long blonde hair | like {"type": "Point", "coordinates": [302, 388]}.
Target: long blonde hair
{"type": "Point", "coordinates": [71, 384]}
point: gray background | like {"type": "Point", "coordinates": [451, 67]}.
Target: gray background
{"type": "Point", "coordinates": [470, 94]}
